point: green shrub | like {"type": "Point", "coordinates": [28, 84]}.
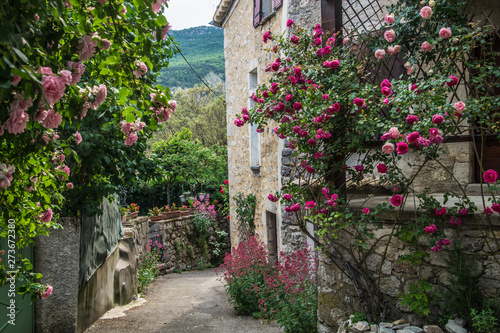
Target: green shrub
{"type": "Point", "coordinates": [419, 298]}
{"type": "Point", "coordinates": [484, 321]}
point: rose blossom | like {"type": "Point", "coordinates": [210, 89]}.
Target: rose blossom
{"type": "Point", "coordinates": [390, 36]}
{"type": "Point", "coordinates": [445, 33]}
{"type": "Point", "coordinates": [426, 12]}
{"type": "Point", "coordinates": [402, 148]}
{"type": "Point", "coordinates": [490, 176]}
{"type": "Point", "coordinates": [131, 139]}
{"type": "Point", "coordinates": [459, 106]}
{"type": "Point", "coordinates": [100, 93]}
{"type": "Point", "coordinates": [380, 54]}
{"type": "Point", "coordinates": [453, 82]}
{"type": "Point", "coordinates": [47, 216]}
{"type": "Point", "coordinates": [76, 69]}
{"type": "Point", "coordinates": [140, 68]}
{"type": "Point", "coordinates": [394, 132]}
{"type": "Point", "coordinates": [53, 88]}
{"type": "Point", "coordinates": [47, 291]}
{"type": "Point", "coordinates": [388, 148]}
{"type": "Point", "coordinates": [426, 46]}
{"type": "Point", "coordinates": [105, 44]}
{"type": "Point", "coordinates": [53, 119]}
{"type": "Point", "coordinates": [78, 138]}
{"type": "Point", "coordinates": [396, 200]}
{"type": "Point", "coordinates": [358, 102]}
{"type": "Point", "coordinates": [454, 220]}
{"type": "Point", "coordinates": [496, 207]}
{"type": "Point", "coordinates": [411, 119]}
{"type": "Point", "coordinates": [430, 229]}
{"type": "Point", "coordinates": [289, 23]}
{"type": "Point", "coordinates": [437, 119]}
{"type": "Point", "coordinates": [86, 48]}
{"type": "Point", "coordinates": [382, 168]}
{"type": "Point", "coordinates": [70, 185]}
{"type": "Point", "coordinates": [389, 19]}
{"type": "Point", "coordinates": [16, 80]}
{"type": "Point", "coordinates": [413, 137]}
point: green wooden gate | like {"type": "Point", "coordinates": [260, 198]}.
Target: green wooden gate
{"type": "Point", "coordinates": [24, 311]}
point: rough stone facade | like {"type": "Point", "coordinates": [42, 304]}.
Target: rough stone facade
{"type": "Point", "coordinates": [183, 248]}
{"type": "Point", "coordinates": [338, 298]}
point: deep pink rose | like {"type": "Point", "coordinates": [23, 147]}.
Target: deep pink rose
{"type": "Point", "coordinates": [382, 168]}
{"type": "Point", "coordinates": [310, 169]}
{"type": "Point", "coordinates": [358, 102]}
{"type": "Point", "coordinates": [294, 39]}
{"type": "Point", "coordinates": [272, 198]}
{"type": "Point", "coordinates": [267, 36]}
{"type": "Point", "coordinates": [396, 200]}
{"type": "Point", "coordinates": [310, 204]}
{"type": "Point", "coordinates": [402, 148]}
{"type": "Point", "coordinates": [312, 142]}
{"type": "Point", "coordinates": [413, 137]}
{"type": "Point", "coordinates": [490, 176]}
{"type": "Point", "coordinates": [453, 82]}
{"type": "Point", "coordinates": [386, 91]}
{"type": "Point", "coordinates": [239, 122]}
{"type": "Point", "coordinates": [411, 119]}
{"type": "Point", "coordinates": [287, 197]}
{"type": "Point", "coordinates": [496, 207]}
{"type": "Point", "coordinates": [289, 23]}
{"type": "Point", "coordinates": [437, 119]}
{"type": "Point", "coordinates": [454, 220]}
{"type": "Point", "coordinates": [430, 229]}
{"type": "Point", "coordinates": [366, 210]}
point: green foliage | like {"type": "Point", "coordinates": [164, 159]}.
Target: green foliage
{"type": "Point", "coordinates": [190, 252]}
{"type": "Point", "coordinates": [245, 210]}
{"type": "Point", "coordinates": [179, 247]}
{"type": "Point", "coordinates": [218, 246]}
{"type": "Point", "coordinates": [149, 267]}
{"type": "Point", "coordinates": [484, 321]}
{"type": "Point", "coordinates": [177, 271]}
{"type": "Point", "coordinates": [419, 298]}
{"type": "Point", "coordinates": [201, 112]}
{"type": "Point", "coordinates": [358, 316]}
{"type": "Point", "coordinates": [203, 47]}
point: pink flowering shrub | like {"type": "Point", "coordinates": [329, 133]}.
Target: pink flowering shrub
{"type": "Point", "coordinates": [284, 290]}
{"type": "Point", "coordinates": [205, 214]}
{"type": "Point", "coordinates": [150, 265]}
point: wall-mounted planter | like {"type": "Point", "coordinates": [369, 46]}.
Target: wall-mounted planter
{"type": "Point", "coordinates": [132, 215]}
{"type": "Point", "coordinates": [156, 218]}
{"type": "Point", "coordinates": [170, 215]}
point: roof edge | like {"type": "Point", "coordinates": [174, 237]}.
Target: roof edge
{"type": "Point", "coordinates": [221, 12]}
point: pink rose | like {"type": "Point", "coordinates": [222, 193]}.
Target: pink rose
{"type": "Point", "coordinates": [239, 122]}
{"type": "Point", "coordinates": [358, 102]}
{"type": "Point", "coordinates": [454, 220]}
{"type": "Point", "coordinates": [289, 23]}
{"type": "Point", "coordinates": [123, 10]}
{"type": "Point", "coordinates": [53, 119]}
{"type": "Point", "coordinates": [386, 91]}
{"type": "Point", "coordinates": [430, 229]}
{"type": "Point", "coordinates": [16, 80]}
{"type": "Point", "coordinates": [496, 207]}
{"type": "Point", "coordinates": [86, 48]}
{"type": "Point", "coordinates": [47, 291]}
{"type": "Point", "coordinates": [445, 33]}
{"type": "Point", "coordinates": [267, 36]}
{"type": "Point", "coordinates": [388, 148]}
{"type": "Point", "coordinates": [459, 106]}
{"type": "Point", "coordinates": [47, 216]}
{"type": "Point", "coordinates": [287, 197]}
{"type": "Point", "coordinates": [53, 88]}
{"type": "Point", "coordinates": [310, 204]}
{"type": "Point", "coordinates": [130, 139]}
{"type": "Point", "coordinates": [17, 121]}
{"type": "Point", "coordinates": [490, 176]}
{"type": "Point", "coordinates": [380, 54]}
{"type": "Point", "coordinates": [389, 19]}
{"type": "Point", "coordinates": [272, 198]}
{"type": "Point", "coordinates": [397, 48]}
{"type": "Point", "coordinates": [70, 186]}
{"type": "Point", "coordinates": [390, 36]}
{"type": "Point", "coordinates": [411, 119]}
{"type": "Point", "coordinates": [426, 46]}
{"type": "Point", "coordinates": [77, 69]}
{"type": "Point", "coordinates": [396, 200]}
{"type": "Point", "coordinates": [437, 119]}
{"type": "Point", "coordinates": [294, 39]}
{"type": "Point", "coordinates": [394, 132]}
{"type": "Point", "coordinates": [488, 211]}
{"type": "Point", "coordinates": [100, 93]}
{"type": "Point", "coordinates": [156, 6]}
{"type": "Point", "coordinates": [140, 68]}
{"type": "Point", "coordinates": [105, 44]}
{"type": "Point", "coordinates": [346, 41]}
{"type": "Point", "coordinates": [453, 82]}
{"type": "Point", "coordinates": [426, 12]}
{"type": "Point", "coordinates": [413, 137]}
{"type": "Point", "coordinates": [78, 138]}
{"type": "Point", "coordinates": [366, 210]}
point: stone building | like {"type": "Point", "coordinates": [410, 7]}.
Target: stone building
{"type": "Point", "coordinates": [260, 163]}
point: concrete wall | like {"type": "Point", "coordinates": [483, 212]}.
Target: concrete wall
{"type": "Point", "coordinates": [113, 283]}
{"type": "Point", "coordinates": [58, 258]}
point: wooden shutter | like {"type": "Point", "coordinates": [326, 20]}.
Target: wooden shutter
{"type": "Point", "coordinates": [276, 4]}
{"type": "Point", "coordinates": [257, 12]}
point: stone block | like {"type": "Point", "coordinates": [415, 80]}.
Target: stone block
{"type": "Point", "coordinates": [453, 327]}
{"type": "Point", "coordinates": [434, 329]}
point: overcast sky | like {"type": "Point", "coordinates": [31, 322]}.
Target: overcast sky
{"type": "Point", "coordinates": [184, 14]}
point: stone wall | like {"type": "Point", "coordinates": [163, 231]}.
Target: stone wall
{"type": "Point", "coordinates": [183, 248]}
{"type": "Point", "coordinates": [338, 298]}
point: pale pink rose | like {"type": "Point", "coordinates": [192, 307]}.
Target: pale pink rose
{"type": "Point", "coordinates": [397, 48]}
{"type": "Point", "coordinates": [139, 125]}
{"type": "Point", "coordinates": [156, 6]}
{"type": "Point", "coordinates": [130, 139]}
{"type": "Point", "coordinates": [389, 19]}
{"type": "Point", "coordinates": [47, 216]}
{"type": "Point", "coordinates": [66, 76]}
{"type": "Point", "coordinates": [70, 186]}
{"type": "Point", "coordinates": [55, 136]}
{"type": "Point", "coordinates": [78, 138]}
{"type": "Point", "coordinates": [123, 10]}
{"type": "Point", "coordinates": [53, 88]}
{"type": "Point", "coordinates": [48, 291]}
{"type": "Point", "coordinates": [432, 3]}
{"type": "Point", "coordinates": [165, 30]}
{"type": "Point", "coordinates": [426, 12]}
{"type": "Point", "coordinates": [85, 108]}
{"type": "Point", "coordinates": [459, 106]}
{"type": "Point", "coordinates": [46, 138]}
{"type": "Point", "coordinates": [390, 36]}
{"type": "Point", "coordinates": [410, 71]}
{"type": "Point", "coordinates": [37, 18]}
{"type": "Point", "coordinates": [86, 48]}
{"type": "Point", "coordinates": [17, 120]}
{"type": "Point", "coordinates": [45, 70]}
{"type": "Point", "coordinates": [426, 46]}
{"type": "Point", "coordinates": [77, 69]}
{"type": "Point", "coordinates": [380, 54]}
{"type": "Point", "coordinates": [41, 115]}
{"type": "Point", "coordinates": [64, 168]}
{"type": "Point", "coordinates": [53, 119]}
{"type": "Point", "coordinates": [100, 93]}
{"type": "Point", "coordinates": [390, 50]}
{"type": "Point", "coordinates": [445, 33]}
{"type": "Point", "coordinates": [105, 44]}
{"type": "Point", "coordinates": [388, 148]}
{"type": "Point", "coordinates": [394, 132]}
{"type": "Point", "coordinates": [172, 104]}
{"type": "Point", "coordinates": [16, 80]}
{"type": "Point", "coordinates": [140, 68]}
{"type": "Point", "coordinates": [346, 41]}
{"type": "Point", "coordinates": [126, 127]}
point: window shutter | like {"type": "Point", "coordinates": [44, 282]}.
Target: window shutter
{"type": "Point", "coordinates": [257, 12]}
{"type": "Point", "coordinates": [276, 4]}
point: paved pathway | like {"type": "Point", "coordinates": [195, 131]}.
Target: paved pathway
{"type": "Point", "coordinates": [189, 302]}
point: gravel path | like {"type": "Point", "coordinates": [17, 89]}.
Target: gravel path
{"type": "Point", "coordinates": [189, 302]}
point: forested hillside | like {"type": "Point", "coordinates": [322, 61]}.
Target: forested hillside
{"type": "Point", "coordinates": [203, 47]}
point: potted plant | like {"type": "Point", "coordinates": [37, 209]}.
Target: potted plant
{"type": "Point", "coordinates": [155, 214]}
{"type": "Point", "coordinates": [168, 213]}
{"type": "Point", "coordinates": [184, 211]}
{"type": "Point", "coordinates": [133, 211]}
{"type": "Point", "coordinates": [123, 213]}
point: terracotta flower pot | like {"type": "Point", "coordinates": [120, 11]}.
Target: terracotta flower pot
{"type": "Point", "coordinates": [184, 213]}
{"type": "Point", "coordinates": [170, 215]}
{"type": "Point", "coordinates": [156, 218]}
{"type": "Point", "coordinates": [132, 215]}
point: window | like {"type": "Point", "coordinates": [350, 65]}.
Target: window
{"type": "Point", "coordinates": [272, 236]}
{"type": "Point", "coordinates": [254, 135]}
{"type": "Point", "coordinates": [264, 8]}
